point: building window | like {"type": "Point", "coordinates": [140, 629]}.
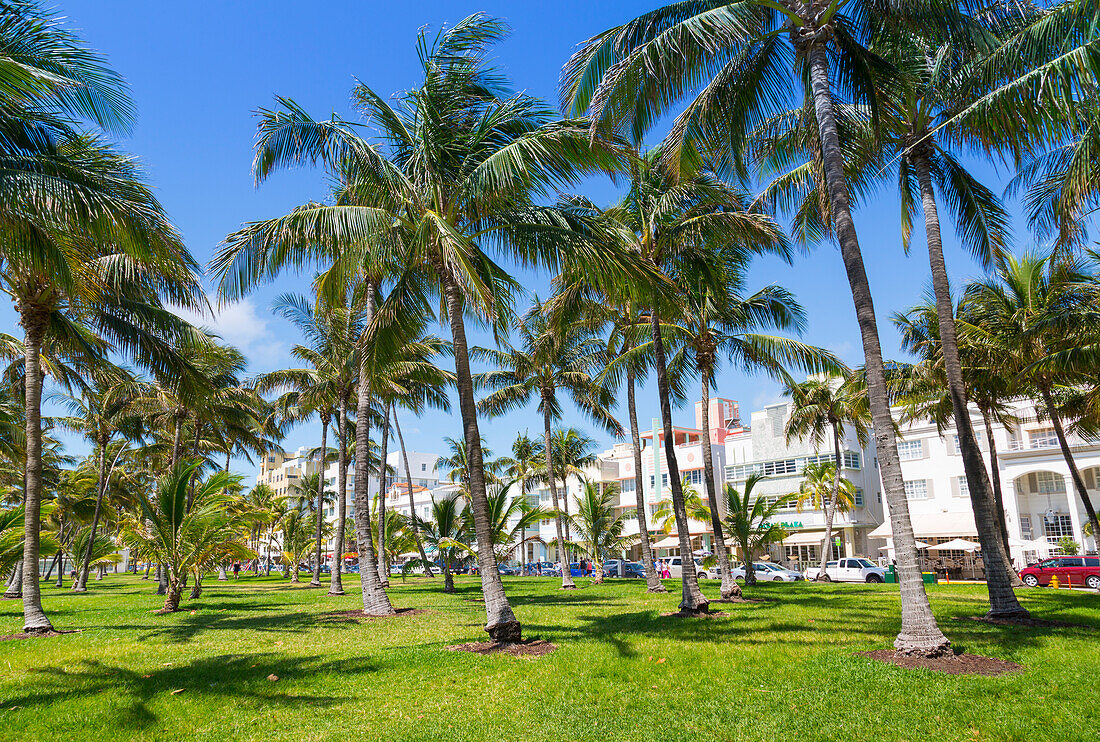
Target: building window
{"type": "Point", "coordinates": [916, 489]}
{"type": "Point", "coordinates": [628, 485]}
{"type": "Point", "coordinates": [851, 460]}
{"type": "Point", "coordinates": [858, 499]}
{"type": "Point", "coordinates": [910, 450]}
{"type": "Point", "coordinates": [423, 467]}
{"type": "Point", "coordinates": [1042, 438]}
{"type": "Point", "coordinates": [695, 476]}
{"type": "Point", "coordinates": [1025, 527]}
{"type": "Point", "coordinates": [962, 487]}
{"type": "Point", "coordinates": [1056, 526]}
{"type": "Point", "coordinates": [1049, 483]}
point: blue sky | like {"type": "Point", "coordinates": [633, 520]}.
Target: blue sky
{"type": "Point", "coordinates": [199, 70]}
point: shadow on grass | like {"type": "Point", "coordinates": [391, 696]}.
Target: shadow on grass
{"type": "Point", "coordinates": [240, 676]}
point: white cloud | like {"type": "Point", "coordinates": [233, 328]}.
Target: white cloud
{"type": "Point", "coordinates": [243, 327]}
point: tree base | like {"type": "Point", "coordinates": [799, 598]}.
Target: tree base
{"type": "Point", "coordinates": [1020, 614]}
{"type": "Point", "coordinates": [697, 610]}
{"type": "Point", "coordinates": [657, 589]}
{"type": "Point", "coordinates": [78, 589]}
{"type": "Point", "coordinates": [336, 594]}
{"type": "Point", "coordinates": [927, 647]}
{"type": "Point", "coordinates": [508, 632]}
{"type": "Point", "coordinates": [314, 583]}
{"type": "Point", "coordinates": [46, 630]}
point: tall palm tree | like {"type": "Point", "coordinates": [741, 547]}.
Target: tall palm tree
{"type": "Point", "coordinates": [751, 521]}
{"type": "Point", "coordinates": [1038, 314]}
{"type": "Point", "coordinates": [551, 359]}
{"type": "Point", "coordinates": [696, 230]}
{"type": "Point", "coordinates": [468, 165]}
{"type": "Point", "coordinates": [600, 530]}
{"type": "Point", "coordinates": [821, 408]}
{"type": "Point", "coordinates": [823, 489]}
{"type": "Point", "coordinates": [526, 463]}
{"type": "Point", "coordinates": [711, 326]}
{"type": "Point", "coordinates": [749, 60]}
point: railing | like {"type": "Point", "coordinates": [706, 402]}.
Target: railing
{"type": "Point", "coordinates": [1019, 444]}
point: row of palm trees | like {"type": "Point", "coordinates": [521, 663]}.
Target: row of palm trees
{"type": "Point", "coordinates": [821, 101]}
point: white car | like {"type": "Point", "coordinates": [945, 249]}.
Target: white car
{"type": "Point", "coordinates": [676, 569]}
{"type": "Point", "coordinates": [768, 572]}
{"type": "Point", "coordinates": [852, 569]}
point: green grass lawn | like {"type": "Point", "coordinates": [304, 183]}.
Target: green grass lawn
{"type": "Point", "coordinates": [782, 669]}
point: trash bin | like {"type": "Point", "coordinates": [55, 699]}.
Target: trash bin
{"type": "Point", "coordinates": [930, 578]}
{"type": "Point", "coordinates": [891, 574]}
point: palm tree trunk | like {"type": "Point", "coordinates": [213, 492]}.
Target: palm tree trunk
{"type": "Point", "coordinates": [998, 567]}
{"type": "Point", "coordinates": [412, 501]}
{"type": "Point", "coordinates": [383, 556]}
{"type": "Point", "coordinates": [501, 623]}
{"type": "Point", "coordinates": [1074, 472]}
{"type": "Point", "coordinates": [46, 577]}
{"type": "Point", "coordinates": [830, 510]}
{"type": "Point", "coordinates": [375, 600]}
{"type": "Point", "coordinates": [196, 589]}
{"type": "Point", "coordinates": [162, 579]}
{"type": "Point", "coordinates": [173, 594]}
{"type": "Point", "coordinates": [919, 632]}
{"type": "Point", "coordinates": [336, 585]}
{"type": "Point", "coordinates": [730, 588]}
{"type": "Point", "coordinates": [81, 584]}
{"type": "Point", "coordinates": [15, 585]}
{"type": "Point", "coordinates": [448, 578]}
{"type": "Point", "coordinates": [320, 515]}
{"type": "Point", "coordinates": [177, 436]}
{"type": "Point", "coordinates": [566, 576]}
{"type": "Point", "coordinates": [995, 470]}
{"type": "Point", "coordinates": [33, 320]}
{"type": "Point", "coordinates": [691, 599]}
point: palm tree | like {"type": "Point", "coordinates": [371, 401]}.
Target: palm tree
{"type": "Point", "coordinates": [469, 163]}
{"type": "Point", "coordinates": [551, 358]}
{"type": "Point", "coordinates": [100, 414]}
{"type": "Point", "coordinates": [824, 489]}
{"type": "Point", "coordinates": [821, 408]}
{"type": "Point", "coordinates": [695, 230]}
{"type": "Point", "coordinates": [444, 533]}
{"type": "Point", "coordinates": [510, 516]}
{"type": "Point", "coordinates": [527, 462]}
{"type": "Point", "coordinates": [750, 521]}
{"type": "Point", "coordinates": [1037, 314]}
{"type": "Point", "coordinates": [186, 540]}
{"type": "Point", "coordinates": [738, 55]}
{"type": "Point", "coordinates": [599, 528]}
{"type": "Point", "coordinates": [296, 539]}
{"type": "Point", "coordinates": [710, 326]}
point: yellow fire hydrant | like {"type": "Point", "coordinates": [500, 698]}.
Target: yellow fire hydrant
{"type": "Point", "coordinates": [1054, 582]}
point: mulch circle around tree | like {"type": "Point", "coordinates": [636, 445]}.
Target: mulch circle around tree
{"type": "Point", "coordinates": [37, 635]}
{"type": "Point", "coordinates": [526, 648]}
{"type": "Point", "coordinates": [1027, 622]}
{"type": "Point", "coordinates": [952, 664]}
{"type": "Point", "coordinates": [355, 615]}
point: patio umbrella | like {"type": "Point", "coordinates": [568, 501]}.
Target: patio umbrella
{"type": "Point", "coordinates": [956, 544]}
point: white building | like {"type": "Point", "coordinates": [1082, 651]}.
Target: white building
{"type": "Point", "coordinates": [763, 448]}
{"type": "Point", "coordinates": [1040, 504]}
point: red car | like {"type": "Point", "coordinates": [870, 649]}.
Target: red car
{"type": "Point", "coordinates": [1076, 571]}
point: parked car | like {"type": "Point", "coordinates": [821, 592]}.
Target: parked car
{"type": "Point", "coordinates": [851, 569]}
{"type": "Point", "coordinates": [542, 568]}
{"type": "Point", "coordinates": [675, 568]}
{"type": "Point", "coordinates": [1074, 570]}
{"type": "Point", "coordinates": [768, 572]}
{"type": "Point", "coordinates": [619, 568]}
{"type": "Point", "coordinates": [504, 569]}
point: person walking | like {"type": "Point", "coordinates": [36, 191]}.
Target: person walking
{"type": "Point", "coordinates": [236, 570]}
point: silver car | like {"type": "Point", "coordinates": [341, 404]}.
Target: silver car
{"type": "Point", "coordinates": [768, 572]}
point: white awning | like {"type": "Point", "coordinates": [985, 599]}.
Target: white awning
{"type": "Point", "coordinates": [797, 538]}
{"type": "Point", "coordinates": [671, 542]}
{"type": "Point", "coordinates": [933, 525]}
{"type": "Point", "coordinates": [956, 544]}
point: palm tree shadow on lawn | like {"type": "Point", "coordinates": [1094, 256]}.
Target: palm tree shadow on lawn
{"type": "Point", "coordinates": [242, 677]}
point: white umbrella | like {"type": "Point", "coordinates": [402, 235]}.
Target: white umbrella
{"type": "Point", "coordinates": [920, 545]}
{"type": "Point", "coordinates": [957, 544]}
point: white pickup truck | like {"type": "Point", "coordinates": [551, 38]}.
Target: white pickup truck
{"type": "Point", "coordinates": [851, 569]}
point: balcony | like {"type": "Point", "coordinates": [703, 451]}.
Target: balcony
{"type": "Point", "coordinates": [1045, 443]}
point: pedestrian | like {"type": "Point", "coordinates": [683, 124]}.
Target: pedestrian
{"type": "Point", "coordinates": [236, 570]}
